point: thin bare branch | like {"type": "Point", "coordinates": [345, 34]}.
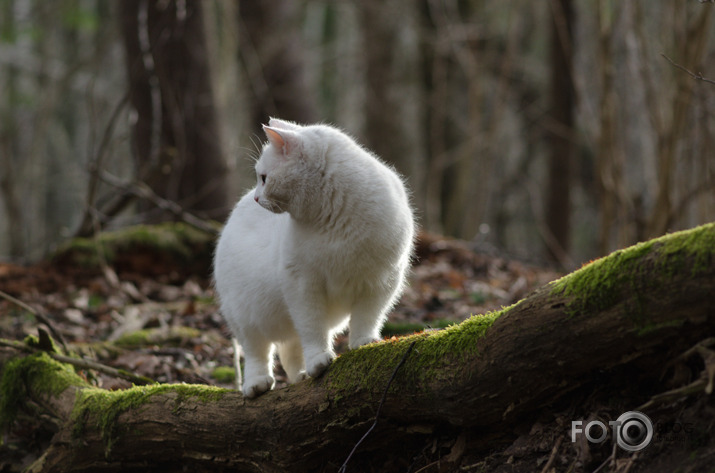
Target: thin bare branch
{"type": "Point", "coordinates": [696, 76]}
{"type": "Point", "coordinates": [93, 167]}
{"type": "Point", "coordinates": [38, 315]}
{"type": "Point", "coordinates": [79, 362]}
{"type": "Point", "coordinates": [143, 191]}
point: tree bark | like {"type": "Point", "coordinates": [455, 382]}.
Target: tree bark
{"type": "Point", "coordinates": [631, 312]}
{"type": "Point", "coordinates": [609, 160]}
{"type": "Point", "coordinates": [273, 56]}
{"type": "Point", "coordinates": [392, 125]}
{"type": "Point", "coordinates": [692, 53]}
{"type": "Point", "coordinates": [558, 194]}
{"type": "Point", "coordinates": [175, 136]}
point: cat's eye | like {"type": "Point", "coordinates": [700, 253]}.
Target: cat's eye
{"type": "Point", "coordinates": [263, 178]}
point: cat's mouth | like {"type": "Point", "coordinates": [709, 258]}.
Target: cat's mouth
{"type": "Point", "coordinates": [268, 205]}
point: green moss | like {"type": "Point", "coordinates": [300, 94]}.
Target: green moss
{"type": "Point", "coordinates": [43, 342]}
{"type": "Point", "coordinates": [224, 374]}
{"type": "Point", "coordinates": [405, 328]}
{"type": "Point", "coordinates": [177, 242]}
{"type": "Point", "coordinates": [31, 340]}
{"type": "Point", "coordinates": [172, 336]}
{"type": "Point", "coordinates": [432, 351]}
{"type": "Point", "coordinates": [648, 328]}
{"type": "Point", "coordinates": [693, 248]}
{"type": "Point", "coordinates": [596, 287]}
{"type": "Point", "coordinates": [104, 407]}
{"type": "Point", "coordinates": [40, 373]}
{"type": "Point", "coordinates": [600, 284]}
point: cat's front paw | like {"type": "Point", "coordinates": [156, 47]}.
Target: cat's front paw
{"type": "Point", "coordinates": [318, 364]}
{"type": "Point", "coordinates": [358, 342]}
{"type": "Point", "coordinates": [257, 386]}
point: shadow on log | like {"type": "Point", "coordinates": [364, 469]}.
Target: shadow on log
{"type": "Point", "coordinates": [631, 312]}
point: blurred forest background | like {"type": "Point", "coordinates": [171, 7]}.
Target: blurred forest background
{"type": "Point", "coordinates": [556, 130]}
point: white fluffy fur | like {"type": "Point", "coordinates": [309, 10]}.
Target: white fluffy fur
{"type": "Point", "coordinates": [322, 241]}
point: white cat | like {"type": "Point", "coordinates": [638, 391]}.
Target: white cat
{"type": "Point", "coordinates": [323, 241]}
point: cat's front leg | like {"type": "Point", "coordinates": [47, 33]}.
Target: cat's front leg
{"type": "Point", "coordinates": [258, 364]}
{"type": "Point", "coordinates": [309, 312]}
{"type": "Point", "coordinates": [317, 365]}
{"type": "Point", "coordinates": [366, 321]}
{"type": "Point", "coordinates": [317, 349]}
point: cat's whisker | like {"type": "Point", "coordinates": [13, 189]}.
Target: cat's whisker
{"type": "Point", "coordinates": [253, 154]}
{"type": "Point", "coordinates": [257, 143]}
{"type": "Point", "coordinates": [279, 205]}
{"type": "Point", "coordinates": [249, 154]}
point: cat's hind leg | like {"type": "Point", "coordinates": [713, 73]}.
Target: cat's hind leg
{"type": "Point", "coordinates": [258, 365]}
{"type": "Point", "coordinates": [290, 353]}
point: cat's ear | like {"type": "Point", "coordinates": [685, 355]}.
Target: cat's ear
{"type": "Point", "coordinates": [283, 124]}
{"type": "Point", "coordinates": [285, 140]}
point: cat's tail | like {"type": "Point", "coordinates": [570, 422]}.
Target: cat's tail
{"type": "Point", "coordinates": [237, 364]}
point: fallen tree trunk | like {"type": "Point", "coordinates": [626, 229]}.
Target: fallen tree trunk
{"type": "Point", "coordinates": [631, 312]}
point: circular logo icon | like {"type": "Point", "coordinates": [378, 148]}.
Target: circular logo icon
{"type": "Point", "coordinates": [634, 431]}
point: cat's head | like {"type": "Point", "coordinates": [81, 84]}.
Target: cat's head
{"type": "Point", "coordinates": [288, 163]}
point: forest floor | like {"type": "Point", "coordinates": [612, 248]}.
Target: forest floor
{"type": "Point", "coordinates": [168, 328]}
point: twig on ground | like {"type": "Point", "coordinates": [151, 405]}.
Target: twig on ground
{"type": "Point", "coordinates": [611, 460]}
{"type": "Point", "coordinates": [632, 460]}
{"type": "Point", "coordinates": [39, 316]}
{"type": "Point", "coordinates": [344, 467]}
{"type": "Point", "coordinates": [428, 466]}
{"type": "Point", "coordinates": [703, 384]}
{"type": "Point", "coordinates": [79, 362]}
{"type": "Point", "coordinates": [554, 451]}
{"type": "Point", "coordinates": [697, 348]}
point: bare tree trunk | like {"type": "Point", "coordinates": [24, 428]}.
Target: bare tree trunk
{"type": "Point", "coordinates": [631, 312]}
{"type": "Point", "coordinates": [14, 224]}
{"type": "Point", "coordinates": [383, 133]}
{"type": "Point", "coordinates": [463, 202]}
{"type": "Point", "coordinates": [691, 55]}
{"type": "Point", "coordinates": [8, 168]}
{"type": "Point", "coordinates": [176, 138]}
{"type": "Point", "coordinates": [392, 105]}
{"type": "Point", "coordinates": [435, 68]}
{"type": "Point", "coordinates": [561, 129]}
{"type": "Point", "coordinates": [609, 160]}
{"type": "Point", "coordinates": [271, 51]}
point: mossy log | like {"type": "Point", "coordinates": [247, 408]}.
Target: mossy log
{"type": "Point", "coordinates": [161, 249]}
{"type": "Point", "coordinates": [631, 312]}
